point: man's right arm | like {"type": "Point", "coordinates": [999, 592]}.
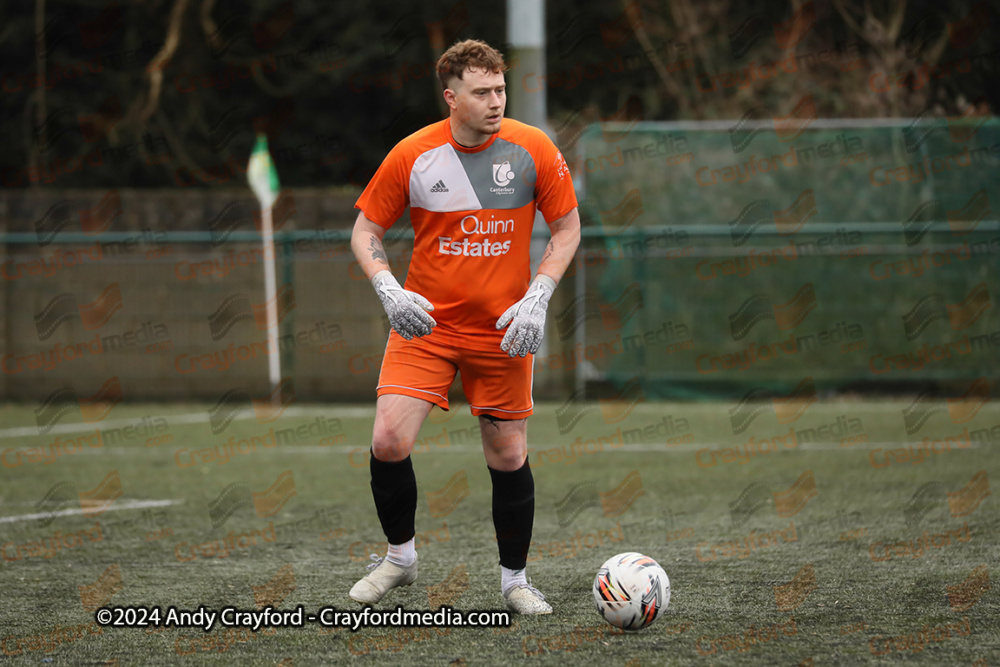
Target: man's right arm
{"type": "Point", "coordinates": [407, 311]}
{"type": "Point", "coordinates": [366, 242]}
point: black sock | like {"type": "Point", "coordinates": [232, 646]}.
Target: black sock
{"type": "Point", "coordinates": [513, 514]}
{"type": "Point", "coordinates": [394, 487]}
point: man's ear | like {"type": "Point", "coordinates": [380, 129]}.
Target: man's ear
{"type": "Point", "coordinates": [449, 98]}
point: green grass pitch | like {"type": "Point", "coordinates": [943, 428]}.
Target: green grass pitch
{"type": "Point", "coordinates": [843, 539]}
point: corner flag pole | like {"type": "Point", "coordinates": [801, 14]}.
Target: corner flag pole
{"type": "Point", "coordinates": [263, 180]}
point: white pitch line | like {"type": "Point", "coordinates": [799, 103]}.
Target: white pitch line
{"type": "Point", "coordinates": [579, 450]}
{"type": "Point", "coordinates": [186, 418]}
{"type": "Point", "coordinates": [127, 505]}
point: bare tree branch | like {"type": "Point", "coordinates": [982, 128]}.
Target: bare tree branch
{"type": "Point", "coordinates": [208, 25]}
{"type": "Point", "coordinates": [673, 89]}
{"type": "Point", "coordinates": [162, 59]}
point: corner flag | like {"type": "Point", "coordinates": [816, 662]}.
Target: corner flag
{"type": "Point", "coordinates": [262, 175]}
{"type": "Point", "coordinates": [263, 180]}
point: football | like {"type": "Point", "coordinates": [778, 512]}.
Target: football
{"type": "Point", "coordinates": [631, 591]}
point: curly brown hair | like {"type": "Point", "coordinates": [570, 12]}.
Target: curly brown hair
{"type": "Point", "coordinates": [469, 53]}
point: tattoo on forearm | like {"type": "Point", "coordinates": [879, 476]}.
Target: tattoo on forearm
{"type": "Point", "coordinates": [549, 249]}
{"type": "Point", "coordinates": [378, 253]}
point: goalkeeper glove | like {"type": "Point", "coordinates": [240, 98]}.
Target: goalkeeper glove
{"type": "Point", "coordinates": [527, 319]}
{"type": "Point", "coordinates": [406, 310]}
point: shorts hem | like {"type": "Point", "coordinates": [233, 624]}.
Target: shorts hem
{"type": "Point", "coordinates": [429, 396]}
{"type": "Point", "coordinates": [500, 413]}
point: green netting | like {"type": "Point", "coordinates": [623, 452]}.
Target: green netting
{"type": "Point", "coordinates": [722, 257]}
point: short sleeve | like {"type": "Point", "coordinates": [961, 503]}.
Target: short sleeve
{"type": "Point", "coordinates": [387, 194]}
{"type": "Point", "coordinates": [554, 194]}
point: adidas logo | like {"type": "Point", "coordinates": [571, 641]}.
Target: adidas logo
{"type": "Point", "coordinates": [439, 187]}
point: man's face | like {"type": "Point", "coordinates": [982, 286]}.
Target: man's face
{"type": "Point", "coordinates": [479, 100]}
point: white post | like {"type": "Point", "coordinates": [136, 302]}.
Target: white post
{"type": "Point", "coordinates": [270, 292]}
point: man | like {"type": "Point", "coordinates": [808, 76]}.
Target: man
{"type": "Point", "coordinates": [472, 182]}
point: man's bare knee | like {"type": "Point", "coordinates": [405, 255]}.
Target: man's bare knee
{"type": "Point", "coordinates": [504, 441]}
{"type": "Point", "coordinates": [397, 423]}
{"type": "Point", "coordinates": [389, 445]}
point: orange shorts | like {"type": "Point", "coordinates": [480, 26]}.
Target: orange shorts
{"type": "Point", "coordinates": [494, 384]}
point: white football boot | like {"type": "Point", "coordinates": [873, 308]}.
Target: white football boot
{"type": "Point", "coordinates": [383, 577]}
{"type": "Point", "coordinates": [528, 600]}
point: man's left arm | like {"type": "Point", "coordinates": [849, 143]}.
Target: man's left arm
{"type": "Point", "coordinates": [562, 246]}
{"type": "Point", "coordinates": [527, 317]}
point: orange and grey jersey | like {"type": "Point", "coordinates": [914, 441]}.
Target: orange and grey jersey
{"type": "Point", "coordinates": [472, 211]}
